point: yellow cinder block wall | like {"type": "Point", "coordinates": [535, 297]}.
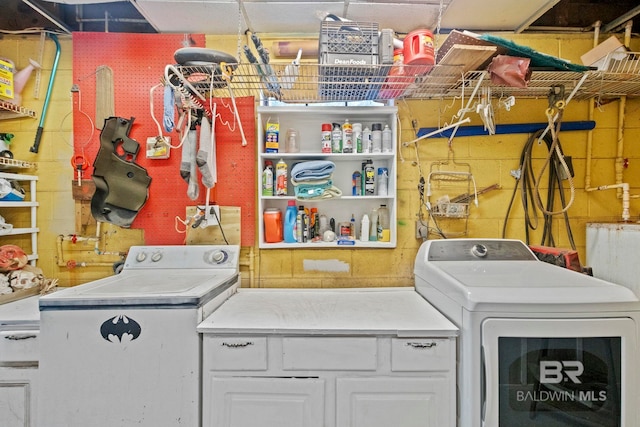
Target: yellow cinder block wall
{"type": "Point", "coordinates": [490, 159]}
{"type": "Point", "coordinates": [56, 212]}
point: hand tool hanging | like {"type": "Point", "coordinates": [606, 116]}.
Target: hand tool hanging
{"type": "Point", "coordinates": [558, 168]}
{"type": "Point", "coordinates": [36, 145]}
{"type": "Point", "coordinates": [265, 71]}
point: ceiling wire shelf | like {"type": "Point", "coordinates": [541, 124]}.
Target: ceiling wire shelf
{"type": "Point", "coordinates": [312, 83]}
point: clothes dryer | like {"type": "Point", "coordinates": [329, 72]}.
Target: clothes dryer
{"type": "Point", "coordinates": [539, 345]}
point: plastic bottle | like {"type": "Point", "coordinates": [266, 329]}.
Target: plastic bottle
{"type": "Point", "coordinates": [384, 232]}
{"type": "Point", "coordinates": [367, 143]}
{"type": "Point", "coordinates": [352, 229]}
{"type": "Point", "coordinates": [364, 228]}
{"type": "Point", "coordinates": [387, 143]}
{"type": "Point", "coordinates": [281, 178]}
{"type": "Point", "coordinates": [383, 181]}
{"type": "Point", "coordinates": [324, 225]}
{"type": "Point", "coordinates": [291, 144]}
{"type": "Point", "coordinates": [336, 138]}
{"type": "Point", "coordinates": [368, 178]}
{"type": "Point", "coordinates": [347, 137]}
{"type": "Point", "coordinates": [373, 226]}
{"type": "Point", "coordinates": [273, 227]}
{"type": "Point", "coordinates": [356, 183]}
{"type": "Point", "coordinates": [267, 179]}
{"type": "Point", "coordinates": [326, 138]}
{"type": "Point", "coordinates": [307, 225]}
{"type": "Point", "coordinates": [357, 137]}
{"type": "Point", "coordinates": [314, 224]}
{"type": "Point", "coordinates": [397, 81]}
{"type": "Point", "coordinates": [290, 222]}
{"type": "Point", "coordinates": [376, 138]}
{"type": "Point", "coordinates": [300, 224]}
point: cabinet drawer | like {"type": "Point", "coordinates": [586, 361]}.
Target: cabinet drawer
{"type": "Point", "coordinates": [235, 353]}
{"type": "Point", "coordinates": [421, 354]}
{"type": "Point", "coordinates": [310, 353]}
{"type": "Point", "coordinates": [19, 346]}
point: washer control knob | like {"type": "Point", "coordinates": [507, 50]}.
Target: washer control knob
{"type": "Point", "coordinates": [157, 256]}
{"type": "Point", "coordinates": [216, 257]}
{"type": "Point", "coordinates": [141, 256]}
{"type": "Point", "coordinates": [479, 251]}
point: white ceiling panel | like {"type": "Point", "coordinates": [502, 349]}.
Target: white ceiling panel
{"type": "Point", "coordinates": [402, 18]}
{"type": "Point", "coordinates": [191, 16]}
{"type": "Point", "coordinates": [289, 17]}
{"type": "Point", "coordinates": [494, 15]}
{"type": "Point", "coordinates": [303, 17]}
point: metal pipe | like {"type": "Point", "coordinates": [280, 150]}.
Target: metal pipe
{"type": "Point", "coordinates": [587, 175]}
{"type": "Point", "coordinates": [621, 19]}
{"type": "Point", "coordinates": [48, 16]}
{"type": "Point", "coordinates": [624, 187]}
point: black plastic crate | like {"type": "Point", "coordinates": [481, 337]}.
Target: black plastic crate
{"type": "Point", "coordinates": [349, 58]}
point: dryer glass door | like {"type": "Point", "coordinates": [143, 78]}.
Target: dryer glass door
{"type": "Point", "coordinates": [559, 372]}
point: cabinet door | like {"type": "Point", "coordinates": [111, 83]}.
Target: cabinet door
{"type": "Point", "coordinates": [264, 402]}
{"type": "Point", "coordinates": [384, 402]}
{"type": "Point", "coordinates": [17, 397]}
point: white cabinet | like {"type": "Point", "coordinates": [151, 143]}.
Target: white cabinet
{"type": "Point", "coordinates": [266, 402]}
{"type": "Point", "coordinates": [346, 358]}
{"type": "Point", "coordinates": [19, 356]}
{"type": "Point", "coordinates": [317, 381]}
{"type": "Point", "coordinates": [24, 212]}
{"type": "Point", "coordinates": [308, 120]}
{"type": "Point", "coordinates": [383, 402]}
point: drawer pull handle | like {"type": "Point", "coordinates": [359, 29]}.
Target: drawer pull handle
{"type": "Point", "coordinates": [237, 344]}
{"type": "Point", "coordinates": [422, 344]}
{"type": "Point", "coordinates": [20, 337]}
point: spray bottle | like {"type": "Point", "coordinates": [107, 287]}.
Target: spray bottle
{"type": "Point", "coordinates": [267, 179]}
{"type": "Point", "coordinates": [281, 178]}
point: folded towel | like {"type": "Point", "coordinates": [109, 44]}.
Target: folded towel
{"type": "Point", "coordinates": [315, 182]}
{"type": "Point", "coordinates": [312, 170]}
{"type": "Point", "coordinates": [317, 191]}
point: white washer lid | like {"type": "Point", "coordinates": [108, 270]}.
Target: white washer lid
{"type": "Point", "coordinates": [519, 285]}
{"type": "Point", "coordinates": [145, 288]}
{"type": "Point", "coordinates": [22, 312]}
{"type": "Point", "coordinates": [370, 311]}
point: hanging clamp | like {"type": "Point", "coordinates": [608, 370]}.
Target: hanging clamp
{"type": "Point", "coordinates": [80, 164]}
{"type": "Point", "coordinates": [556, 98]}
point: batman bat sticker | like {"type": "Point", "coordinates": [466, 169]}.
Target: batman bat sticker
{"type": "Point", "coordinates": [120, 329]}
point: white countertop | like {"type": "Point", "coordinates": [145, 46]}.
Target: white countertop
{"type": "Point", "coordinates": [369, 311]}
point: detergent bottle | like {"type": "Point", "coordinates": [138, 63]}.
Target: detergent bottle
{"type": "Point", "coordinates": [290, 222]}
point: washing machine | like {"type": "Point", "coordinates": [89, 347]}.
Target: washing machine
{"type": "Point", "coordinates": [124, 350]}
{"type": "Point", "coordinates": [539, 345]}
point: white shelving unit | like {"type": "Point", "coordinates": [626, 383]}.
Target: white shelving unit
{"type": "Point", "coordinates": [29, 203]}
{"type": "Point", "coordinates": [308, 120]}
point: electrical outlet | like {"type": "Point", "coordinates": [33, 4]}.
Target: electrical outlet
{"type": "Point", "coordinates": [421, 230]}
{"type": "Point", "coordinates": [212, 215]}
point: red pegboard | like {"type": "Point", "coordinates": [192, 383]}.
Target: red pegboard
{"type": "Point", "coordinates": [138, 62]}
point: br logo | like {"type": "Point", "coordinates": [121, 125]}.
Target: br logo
{"type": "Point", "coordinates": [556, 371]}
